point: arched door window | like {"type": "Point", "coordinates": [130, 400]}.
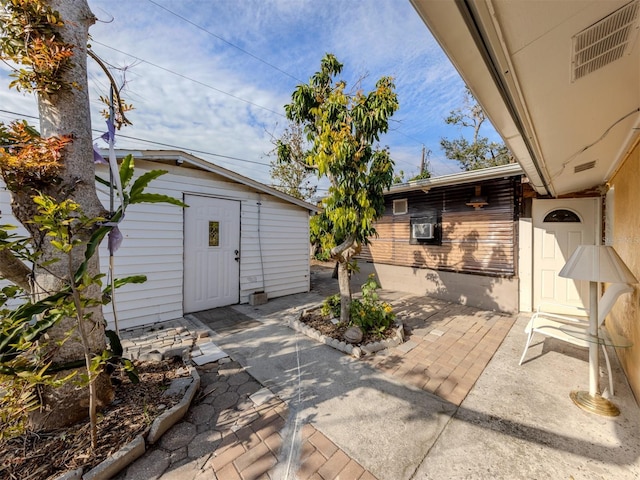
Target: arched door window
{"type": "Point", "coordinates": [562, 216]}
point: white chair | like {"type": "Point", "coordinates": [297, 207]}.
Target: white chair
{"type": "Point", "coordinates": [556, 326]}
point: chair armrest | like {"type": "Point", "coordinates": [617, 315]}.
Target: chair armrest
{"type": "Point", "coordinates": [561, 318]}
{"type": "Point", "coordinates": [563, 305]}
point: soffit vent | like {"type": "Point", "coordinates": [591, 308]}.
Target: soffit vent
{"type": "Point", "coordinates": [605, 41]}
{"type": "Point", "coordinates": [584, 166]}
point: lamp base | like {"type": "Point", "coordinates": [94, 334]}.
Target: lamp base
{"type": "Point", "coordinates": [594, 404]}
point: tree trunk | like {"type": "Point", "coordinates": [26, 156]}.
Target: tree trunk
{"type": "Point", "coordinates": [67, 112]}
{"type": "Point", "coordinates": [344, 283]}
{"type": "Point", "coordinates": [343, 254]}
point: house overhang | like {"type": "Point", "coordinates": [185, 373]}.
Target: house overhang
{"type": "Point", "coordinates": [516, 57]}
{"type": "Point", "coordinates": [472, 176]}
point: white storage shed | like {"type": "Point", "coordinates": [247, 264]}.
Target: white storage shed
{"type": "Point", "coordinates": [238, 237]}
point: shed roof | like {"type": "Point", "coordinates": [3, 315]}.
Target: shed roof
{"type": "Point", "coordinates": [186, 160]}
{"type": "Point", "coordinates": [470, 176]}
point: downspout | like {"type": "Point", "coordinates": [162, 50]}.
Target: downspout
{"type": "Point", "coordinates": [466, 10]}
{"type": "Point", "coordinates": [259, 203]}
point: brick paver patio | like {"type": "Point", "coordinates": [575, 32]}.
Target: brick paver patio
{"type": "Point", "coordinates": [446, 348]}
{"type": "Point", "coordinates": [226, 435]}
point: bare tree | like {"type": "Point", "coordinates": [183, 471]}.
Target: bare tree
{"type": "Point", "coordinates": [479, 152]}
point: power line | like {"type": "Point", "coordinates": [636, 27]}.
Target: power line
{"type": "Point", "coordinates": [153, 142]}
{"type": "Point", "coordinates": [246, 52]}
{"type": "Point", "coordinates": [204, 152]}
{"type": "Point", "coordinates": [206, 85]}
{"type": "Point", "coordinates": [200, 27]}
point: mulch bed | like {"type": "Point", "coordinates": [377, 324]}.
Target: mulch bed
{"type": "Point", "coordinates": [49, 455]}
{"type": "Point", "coordinates": [324, 325]}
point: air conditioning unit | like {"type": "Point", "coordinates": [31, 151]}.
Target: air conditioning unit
{"type": "Point", "coordinates": [423, 231]}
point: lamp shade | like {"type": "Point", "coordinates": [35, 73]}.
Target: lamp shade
{"type": "Point", "coordinates": [597, 263]}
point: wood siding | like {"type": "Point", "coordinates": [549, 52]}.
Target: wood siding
{"type": "Point", "coordinates": [153, 244]}
{"type": "Point", "coordinates": [470, 241]}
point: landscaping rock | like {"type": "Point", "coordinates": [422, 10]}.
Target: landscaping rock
{"type": "Point", "coordinates": [353, 335]}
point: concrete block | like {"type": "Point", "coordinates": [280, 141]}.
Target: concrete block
{"type": "Point", "coordinates": [118, 461]}
{"type": "Point", "coordinates": [258, 299]}
{"type": "Point", "coordinates": [169, 418]}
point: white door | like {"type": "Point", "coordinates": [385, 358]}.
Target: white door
{"type": "Point", "coordinates": [559, 226]}
{"type": "Point", "coordinates": [211, 253]}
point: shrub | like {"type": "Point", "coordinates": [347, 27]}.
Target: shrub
{"type": "Point", "coordinates": [369, 313]}
{"type": "Point", "coordinates": [331, 306]}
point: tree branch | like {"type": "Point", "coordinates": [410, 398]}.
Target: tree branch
{"type": "Point", "coordinates": [338, 250]}
{"type": "Point", "coordinates": [116, 91]}
{"type": "Point", "coordinates": [14, 270]}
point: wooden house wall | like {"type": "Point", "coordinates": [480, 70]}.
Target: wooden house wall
{"type": "Point", "coordinates": [480, 241]}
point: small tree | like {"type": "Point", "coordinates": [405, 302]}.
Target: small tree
{"type": "Point", "coordinates": [292, 177]}
{"type": "Point", "coordinates": [479, 152]}
{"type": "Point", "coordinates": [342, 128]}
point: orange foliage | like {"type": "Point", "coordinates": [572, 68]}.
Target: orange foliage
{"type": "Point", "coordinates": [27, 159]}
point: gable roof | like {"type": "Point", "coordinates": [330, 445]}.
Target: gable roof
{"type": "Point", "coordinates": [186, 160]}
{"type": "Point", "coordinates": [460, 178]}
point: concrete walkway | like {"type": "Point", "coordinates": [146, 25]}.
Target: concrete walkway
{"type": "Point", "coordinates": [451, 402]}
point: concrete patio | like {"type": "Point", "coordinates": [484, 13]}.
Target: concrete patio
{"type": "Point", "coordinates": [451, 402]}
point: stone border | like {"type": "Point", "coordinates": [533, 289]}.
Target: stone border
{"type": "Point", "coordinates": [354, 350]}
{"type": "Point", "coordinates": [137, 447]}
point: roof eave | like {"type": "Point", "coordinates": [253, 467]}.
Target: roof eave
{"type": "Point", "coordinates": [181, 157]}
{"type": "Point", "coordinates": [460, 178]}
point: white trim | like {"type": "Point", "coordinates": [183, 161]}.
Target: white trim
{"type": "Point", "coordinates": [459, 178]}
{"type": "Point", "coordinates": [396, 206]}
{"type": "Point", "coordinates": [182, 157]}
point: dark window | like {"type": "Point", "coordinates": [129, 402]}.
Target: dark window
{"type": "Point", "coordinates": [561, 216]}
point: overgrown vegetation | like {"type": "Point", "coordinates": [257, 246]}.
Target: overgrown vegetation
{"type": "Point", "coordinates": [293, 176]}
{"type": "Point", "coordinates": [56, 336]}
{"type": "Point", "coordinates": [478, 152]}
{"type": "Point", "coordinates": [25, 351]}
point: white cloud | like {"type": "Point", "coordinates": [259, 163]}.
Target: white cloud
{"type": "Point", "coordinates": [224, 101]}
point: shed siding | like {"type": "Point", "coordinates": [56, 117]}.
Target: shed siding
{"type": "Point", "coordinates": [153, 244]}
{"type": "Point", "coordinates": [158, 252]}
{"type": "Point", "coordinates": [284, 240]}
{"type": "Point", "coordinates": [472, 241]}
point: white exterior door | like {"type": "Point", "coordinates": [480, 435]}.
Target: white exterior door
{"type": "Point", "coordinates": [559, 226]}
{"type": "Point", "coordinates": [211, 253]}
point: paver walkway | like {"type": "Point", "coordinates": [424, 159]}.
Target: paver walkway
{"type": "Point", "coordinates": [234, 430]}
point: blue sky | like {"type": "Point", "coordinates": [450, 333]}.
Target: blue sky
{"type": "Point", "coordinates": [213, 75]}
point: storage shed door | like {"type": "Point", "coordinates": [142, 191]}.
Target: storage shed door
{"type": "Point", "coordinates": [211, 253]}
{"type": "Point", "coordinates": [560, 225]}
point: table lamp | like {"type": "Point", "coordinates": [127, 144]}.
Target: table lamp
{"type": "Point", "coordinates": [595, 263]}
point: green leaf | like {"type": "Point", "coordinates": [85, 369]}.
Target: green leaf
{"type": "Point", "coordinates": [158, 198]}
{"type": "Point", "coordinates": [119, 282]}
{"type": "Point", "coordinates": [126, 170]}
{"type": "Point", "coordinates": [142, 182]}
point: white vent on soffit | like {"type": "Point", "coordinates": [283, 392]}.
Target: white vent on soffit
{"type": "Point", "coordinates": [605, 41]}
{"type": "Point", "coordinates": [584, 166]}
